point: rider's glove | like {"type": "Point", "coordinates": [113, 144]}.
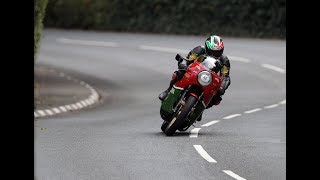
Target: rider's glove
{"type": "Point", "coordinates": [182, 65]}
{"type": "Point", "coordinates": [221, 91]}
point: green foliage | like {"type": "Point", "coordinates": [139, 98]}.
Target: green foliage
{"type": "Point", "coordinates": [39, 13]}
{"type": "Point", "coordinates": [249, 18]}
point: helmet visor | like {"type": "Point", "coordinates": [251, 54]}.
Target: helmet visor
{"type": "Point", "coordinates": [214, 53]}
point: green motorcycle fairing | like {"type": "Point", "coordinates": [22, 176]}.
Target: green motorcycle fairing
{"type": "Point", "coordinates": [172, 97]}
{"type": "Point", "coordinates": [168, 102]}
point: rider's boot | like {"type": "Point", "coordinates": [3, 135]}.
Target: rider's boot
{"type": "Point", "coordinates": [164, 94]}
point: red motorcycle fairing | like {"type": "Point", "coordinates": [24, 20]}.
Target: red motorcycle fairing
{"type": "Point", "coordinates": [191, 78]}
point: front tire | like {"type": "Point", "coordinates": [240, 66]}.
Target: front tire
{"type": "Point", "coordinates": [164, 125]}
{"type": "Point", "coordinates": [179, 119]}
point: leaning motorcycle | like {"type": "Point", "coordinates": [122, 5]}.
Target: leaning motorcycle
{"type": "Point", "coordinates": [190, 96]}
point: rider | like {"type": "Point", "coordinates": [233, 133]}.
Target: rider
{"type": "Point", "coordinates": [214, 47]}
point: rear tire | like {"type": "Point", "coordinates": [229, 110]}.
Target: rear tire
{"type": "Point", "coordinates": [178, 120]}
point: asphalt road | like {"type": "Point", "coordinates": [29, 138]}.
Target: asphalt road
{"type": "Point", "coordinates": [121, 137]}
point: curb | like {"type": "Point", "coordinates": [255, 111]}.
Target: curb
{"type": "Point", "coordinates": [92, 99]}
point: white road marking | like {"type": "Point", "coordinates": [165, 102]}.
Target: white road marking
{"type": "Point", "coordinates": [87, 101]}
{"type": "Point", "coordinates": [194, 132]}
{"type": "Point", "coordinates": [253, 110]}
{"type": "Point", "coordinates": [63, 108]}
{"type": "Point", "coordinates": [42, 113]}
{"type": "Point", "coordinates": [232, 116]}
{"type": "Point", "coordinates": [79, 105]}
{"type": "Point", "coordinates": [68, 107]}
{"type": "Point", "coordinates": [275, 68]}
{"type": "Point", "coordinates": [232, 174]}
{"type": "Point", "coordinates": [87, 42]}
{"type": "Point", "coordinates": [56, 110]}
{"type": "Point", "coordinates": [241, 59]}
{"type": "Point", "coordinates": [84, 103]}
{"type": "Point", "coordinates": [74, 106]}
{"type": "Point", "coordinates": [49, 112]}
{"type": "Point", "coordinates": [271, 106]}
{"type": "Point", "coordinates": [210, 123]}
{"type": "Point", "coordinates": [204, 154]}
{"type": "Point", "coordinates": [283, 102]}
{"type": "Point", "coordinates": [95, 95]}
{"type": "Point", "coordinates": [93, 98]}
{"type": "Point", "coordinates": [163, 49]}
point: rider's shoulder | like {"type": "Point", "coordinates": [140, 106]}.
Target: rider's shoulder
{"type": "Point", "coordinates": [198, 49]}
{"type": "Point", "coordinates": [224, 57]}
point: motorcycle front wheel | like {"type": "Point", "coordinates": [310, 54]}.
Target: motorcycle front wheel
{"type": "Point", "coordinates": [182, 114]}
{"type": "Point", "coordinates": [164, 125]}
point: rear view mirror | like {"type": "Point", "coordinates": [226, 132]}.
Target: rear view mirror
{"type": "Point", "coordinates": [179, 57]}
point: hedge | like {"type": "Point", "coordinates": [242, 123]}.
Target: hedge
{"type": "Point", "coordinates": [39, 14]}
{"type": "Point", "coordinates": [248, 18]}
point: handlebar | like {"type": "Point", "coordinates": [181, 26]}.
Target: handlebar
{"type": "Point", "coordinates": [180, 58]}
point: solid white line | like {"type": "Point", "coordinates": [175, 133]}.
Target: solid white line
{"type": "Point", "coordinates": [82, 83]}
{"type": "Point", "coordinates": [49, 112]}
{"type": "Point", "coordinates": [204, 154]}
{"type": "Point", "coordinates": [35, 114]}
{"type": "Point", "coordinates": [232, 116]}
{"type": "Point", "coordinates": [86, 42]}
{"type": "Point", "coordinates": [271, 106]}
{"type": "Point", "coordinates": [236, 58]}
{"type": "Point", "coordinates": [56, 110]}
{"type": "Point", "coordinates": [283, 102]}
{"type": "Point", "coordinates": [232, 174]}
{"type": "Point", "coordinates": [163, 49]}
{"type": "Point", "coordinates": [194, 132]}
{"type": "Point", "coordinates": [253, 110]}
{"type": "Point", "coordinates": [275, 68]}
{"type": "Point", "coordinates": [63, 109]}
{"type": "Point", "coordinates": [42, 113]}
{"type": "Point", "coordinates": [209, 123]}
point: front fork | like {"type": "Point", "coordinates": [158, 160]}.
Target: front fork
{"type": "Point", "coordinates": [168, 107]}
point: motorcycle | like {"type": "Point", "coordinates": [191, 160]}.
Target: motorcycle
{"type": "Point", "coordinates": [190, 96]}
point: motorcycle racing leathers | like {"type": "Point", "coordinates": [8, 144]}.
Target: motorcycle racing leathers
{"type": "Point", "coordinates": [182, 66]}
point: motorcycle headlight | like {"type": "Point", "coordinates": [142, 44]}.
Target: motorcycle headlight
{"type": "Point", "coordinates": [204, 78]}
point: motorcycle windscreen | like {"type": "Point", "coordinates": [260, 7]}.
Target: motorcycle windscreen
{"type": "Point", "coordinates": [210, 63]}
